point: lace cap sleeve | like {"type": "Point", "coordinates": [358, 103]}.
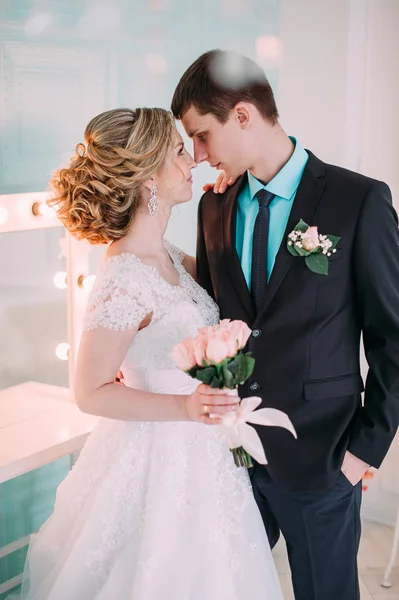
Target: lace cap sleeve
{"type": "Point", "coordinates": [120, 298]}
{"type": "Point", "coordinates": [175, 252]}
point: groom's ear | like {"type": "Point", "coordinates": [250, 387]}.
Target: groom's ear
{"type": "Point", "coordinates": [243, 114]}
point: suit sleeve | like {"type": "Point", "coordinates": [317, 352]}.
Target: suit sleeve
{"type": "Point", "coordinates": [376, 267]}
{"type": "Point", "coordinates": [203, 272]}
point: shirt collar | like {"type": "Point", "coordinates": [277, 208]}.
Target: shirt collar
{"type": "Point", "coordinates": [287, 180]}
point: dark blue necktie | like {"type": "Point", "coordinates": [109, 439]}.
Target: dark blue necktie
{"type": "Point", "coordinates": [259, 248]}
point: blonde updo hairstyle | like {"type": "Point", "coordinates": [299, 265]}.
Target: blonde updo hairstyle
{"type": "Point", "coordinates": [97, 196]}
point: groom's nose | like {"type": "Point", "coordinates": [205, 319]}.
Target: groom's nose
{"type": "Point", "coordinates": [200, 153]}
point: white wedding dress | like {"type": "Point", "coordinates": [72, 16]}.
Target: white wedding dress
{"type": "Point", "coordinates": [152, 511]}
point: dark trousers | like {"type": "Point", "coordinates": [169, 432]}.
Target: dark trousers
{"type": "Point", "coordinates": [322, 533]}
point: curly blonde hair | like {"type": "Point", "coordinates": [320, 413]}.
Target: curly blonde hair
{"type": "Point", "coordinates": [97, 196]}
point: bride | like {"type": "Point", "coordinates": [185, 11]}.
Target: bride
{"type": "Point", "coordinates": [154, 508]}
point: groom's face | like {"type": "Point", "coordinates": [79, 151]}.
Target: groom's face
{"type": "Point", "coordinates": [222, 145]}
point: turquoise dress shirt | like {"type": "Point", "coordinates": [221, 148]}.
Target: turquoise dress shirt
{"type": "Point", "coordinates": [284, 185]}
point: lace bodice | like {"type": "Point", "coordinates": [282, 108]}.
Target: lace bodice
{"type": "Point", "coordinates": [126, 290]}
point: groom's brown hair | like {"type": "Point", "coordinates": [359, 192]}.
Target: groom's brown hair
{"type": "Point", "coordinates": [217, 81]}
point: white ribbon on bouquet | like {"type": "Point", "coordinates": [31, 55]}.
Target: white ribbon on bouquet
{"type": "Point", "coordinates": [238, 433]}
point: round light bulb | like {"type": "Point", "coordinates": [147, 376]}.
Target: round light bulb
{"type": "Point", "coordinates": [41, 209]}
{"type": "Point", "coordinates": [269, 51]}
{"type": "Point", "coordinates": [86, 282]}
{"type": "Point", "coordinates": [60, 280]}
{"type": "Point", "coordinates": [62, 351]}
{"type": "Point", "coordinates": [3, 215]}
{"type": "Point", "coordinates": [156, 63]}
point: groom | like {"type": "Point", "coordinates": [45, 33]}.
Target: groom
{"type": "Point", "coordinates": [306, 326]}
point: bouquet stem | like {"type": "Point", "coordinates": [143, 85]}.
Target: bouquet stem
{"type": "Point", "coordinates": [242, 458]}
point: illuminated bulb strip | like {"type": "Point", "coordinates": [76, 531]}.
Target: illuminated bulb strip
{"type": "Point", "coordinates": [21, 212]}
{"type": "Point", "coordinates": [62, 351]}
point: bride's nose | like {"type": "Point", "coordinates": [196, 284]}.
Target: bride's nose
{"type": "Point", "coordinates": [192, 164]}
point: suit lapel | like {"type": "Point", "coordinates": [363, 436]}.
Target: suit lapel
{"type": "Point", "coordinates": [229, 213]}
{"type": "Point", "coordinates": [304, 206]}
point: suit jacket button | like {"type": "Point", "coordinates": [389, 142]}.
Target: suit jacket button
{"type": "Point", "coordinates": [256, 333]}
{"type": "Point", "coordinates": [254, 386]}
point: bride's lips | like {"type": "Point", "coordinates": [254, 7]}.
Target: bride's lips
{"type": "Point", "coordinates": [190, 180]}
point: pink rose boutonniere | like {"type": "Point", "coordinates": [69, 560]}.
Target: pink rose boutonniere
{"type": "Point", "coordinates": [308, 243]}
{"type": "Point", "coordinates": [215, 357]}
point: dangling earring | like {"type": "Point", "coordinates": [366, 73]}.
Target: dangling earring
{"type": "Point", "coordinates": [153, 203]}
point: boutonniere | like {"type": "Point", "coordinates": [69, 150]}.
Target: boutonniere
{"type": "Point", "coordinates": [307, 242]}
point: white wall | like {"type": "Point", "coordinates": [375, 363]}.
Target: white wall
{"type": "Point", "coordinates": [311, 88]}
{"type": "Point", "coordinates": [338, 88]}
{"type": "Point", "coordinates": [380, 157]}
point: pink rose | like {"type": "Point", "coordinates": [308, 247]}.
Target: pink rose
{"type": "Point", "coordinates": [183, 355]}
{"type": "Point", "coordinates": [217, 349]}
{"type": "Point", "coordinates": [231, 343]}
{"type": "Point", "coordinates": [206, 332]}
{"type": "Point", "coordinates": [199, 347]}
{"type": "Point", "coordinates": [310, 239]}
{"type": "Point", "coordinates": [225, 323]}
{"type": "Point", "coordinates": [240, 332]}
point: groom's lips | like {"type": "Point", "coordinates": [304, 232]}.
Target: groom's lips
{"type": "Point", "coordinates": [216, 166]}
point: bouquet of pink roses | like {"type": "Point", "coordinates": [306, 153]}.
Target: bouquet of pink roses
{"type": "Point", "coordinates": [215, 357]}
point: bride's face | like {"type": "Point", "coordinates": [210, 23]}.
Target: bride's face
{"type": "Point", "coordinates": [174, 182]}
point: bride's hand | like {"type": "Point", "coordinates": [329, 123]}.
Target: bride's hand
{"type": "Point", "coordinates": [222, 182]}
{"type": "Point", "coordinates": [207, 401]}
{"type": "Point", "coordinates": [119, 378]}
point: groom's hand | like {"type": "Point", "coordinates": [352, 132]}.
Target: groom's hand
{"type": "Point", "coordinates": [353, 468]}
{"type": "Point", "coordinates": [206, 401]}
{"type": "Point", "coordinates": [221, 185]}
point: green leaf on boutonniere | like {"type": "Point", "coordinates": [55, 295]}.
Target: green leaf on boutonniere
{"type": "Point", "coordinates": [302, 251]}
{"type": "Point", "coordinates": [334, 239]}
{"type": "Point", "coordinates": [302, 226]}
{"type": "Point", "coordinates": [291, 250]}
{"type": "Point", "coordinates": [318, 263]}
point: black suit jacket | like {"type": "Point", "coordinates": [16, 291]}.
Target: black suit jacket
{"type": "Point", "coordinates": [306, 338]}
